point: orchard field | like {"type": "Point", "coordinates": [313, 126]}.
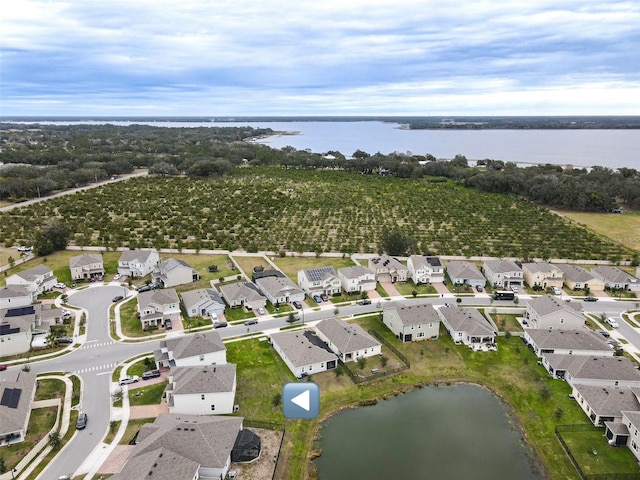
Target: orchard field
{"type": "Point", "coordinates": [275, 209]}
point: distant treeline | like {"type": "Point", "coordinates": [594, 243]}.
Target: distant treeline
{"type": "Point", "coordinates": [525, 123]}
{"type": "Point", "coordinates": [46, 158]}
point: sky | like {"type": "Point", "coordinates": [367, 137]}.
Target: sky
{"type": "Point", "coordinates": [319, 57]}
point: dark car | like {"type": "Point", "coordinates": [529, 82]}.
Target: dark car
{"type": "Point", "coordinates": [297, 305]}
{"type": "Point", "coordinates": [117, 298]}
{"type": "Point", "coordinates": [64, 341]}
{"type": "Point", "coordinates": [144, 288]}
{"type": "Point", "coordinates": [590, 299]}
{"type": "Point", "coordinates": [604, 333]}
{"type": "Point", "coordinates": [251, 321]}
{"type": "Point", "coordinates": [151, 374]}
{"type": "Point", "coordinates": [168, 325]}
{"type": "Point", "coordinates": [155, 285]}
{"type": "Point", "coordinates": [220, 324]}
{"type": "Point", "coordinates": [479, 288]}
{"type": "Point", "coordinates": [82, 421]}
{"type": "Point", "coordinates": [365, 302]}
{"type": "Point", "coordinates": [324, 297]}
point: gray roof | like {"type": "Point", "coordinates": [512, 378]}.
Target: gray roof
{"type": "Point", "coordinates": [193, 297]}
{"type": "Point", "coordinates": [354, 272]}
{"type": "Point", "coordinates": [206, 379]}
{"type": "Point", "coordinates": [347, 337]}
{"type": "Point", "coordinates": [158, 464]}
{"type": "Point", "coordinates": [303, 347]}
{"type": "Point", "coordinates": [463, 269]}
{"type": "Point", "coordinates": [319, 273]}
{"type": "Point", "coordinates": [420, 261]}
{"type": "Point", "coordinates": [22, 384]}
{"type": "Point", "coordinates": [385, 261]}
{"type": "Point", "coordinates": [608, 401]}
{"type": "Point", "coordinates": [192, 345]}
{"type": "Point", "coordinates": [567, 339]}
{"type": "Point", "coordinates": [204, 439]}
{"type": "Point", "coordinates": [34, 272]}
{"type": "Point", "coordinates": [157, 297]}
{"type": "Point", "coordinates": [234, 291]}
{"type": "Point", "coordinates": [85, 259]}
{"type": "Point", "coordinates": [278, 286]}
{"type": "Point", "coordinates": [466, 320]}
{"type": "Point", "coordinates": [171, 264]}
{"type": "Point", "coordinates": [541, 267]}
{"type": "Point", "coordinates": [634, 418]}
{"type": "Point", "coordinates": [617, 428]}
{"type": "Point", "coordinates": [136, 255]}
{"type": "Point", "coordinates": [594, 367]}
{"type": "Point", "coordinates": [412, 314]}
{"type": "Point", "coordinates": [547, 304]}
{"type": "Point", "coordinates": [575, 274]}
{"type": "Point", "coordinates": [11, 291]}
{"type": "Point", "coordinates": [615, 275]}
{"type": "Point", "coordinates": [502, 266]}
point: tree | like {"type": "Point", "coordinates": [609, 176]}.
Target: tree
{"type": "Point", "coordinates": [361, 362]}
{"type": "Point", "coordinates": [396, 243]}
{"type": "Point", "coordinates": [384, 360]}
{"type": "Point", "coordinates": [291, 318]}
{"type": "Point", "coordinates": [55, 440]}
{"type": "Point", "coordinates": [11, 261]}
{"type": "Point", "coordinates": [53, 236]}
{"type": "Point", "coordinates": [276, 400]}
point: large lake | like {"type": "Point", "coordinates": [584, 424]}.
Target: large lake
{"type": "Point", "coordinates": [580, 148]}
{"type": "Point", "coordinates": [444, 433]}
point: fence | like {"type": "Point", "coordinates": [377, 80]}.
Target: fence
{"type": "Point", "coordinates": [388, 344]}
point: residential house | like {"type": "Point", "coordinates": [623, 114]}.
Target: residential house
{"type": "Point", "coordinates": [410, 322]}
{"type": "Point", "coordinates": [210, 442]}
{"type": "Point", "coordinates": [17, 391]}
{"type": "Point", "coordinates": [626, 432]}
{"type": "Point", "coordinates": [137, 263]}
{"type": "Point", "coordinates": [319, 281]}
{"type": "Point", "coordinates": [157, 306]}
{"type": "Point", "coordinates": [205, 390]}
{"type": "Point", "coordinates": [605, 404]}
{"type": "Point", "coordinates": [502, 273]}
{"type": "Point", "coordinates": [425, 269]}
{"type": "Point", "coordinates": [303, 352]}
{"type": "Point", "coordinates": [549, 312]}
{"type": "Point", "coordinates": [19, 326]}
{"type": "Point", "coordinates": [280, 290]}
{"type": "Point", "coordinates": [465, 273]}
{"type": "Point", "coordinates": [357, 279]}
{"type": "Point", "coordinates": [388, 269]}
{"type": "Point", "coordinates": [566, 342]}
{"type": "Point", "coordinates": [542, 275]}
{"type": "Point", "coordinates": [468, 326]}
{"type": "Point", "coordinates": [348, 341]}
{"type": "Point", "coordinates": [37, 280]}
{"type": "Point", "coordinates": [243, 294]}
{"type": "Point", "coordinates": [204, 302]}
{"type": "Point", "coordinates": [87, 266]}
{"type": "Point", "coordinates": [173, 272]}
{"type": "Point", "coordinates": [592, 370]}
{"type": "Point", "coordinates": [16, 296]}
{"type": "Point", "coordinates": [616, 279]}
{"type": "Point", "coordinates": [200, 349]}
{"type": "Point", "coordinates": [578, 278]}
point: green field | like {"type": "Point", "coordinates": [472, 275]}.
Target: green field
{"type": "Point", "coordinates": [293, 210]}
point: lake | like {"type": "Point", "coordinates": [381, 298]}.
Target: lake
{"type": "Point", "coordinates": [579, 148]}
{"type": "Point", "coordinates": [444, 433]}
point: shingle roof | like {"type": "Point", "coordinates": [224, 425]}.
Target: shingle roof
{"type": "Point", "coordinates": [502, 266]}
{"type": "Point", "coordinates": [234, 291]}
{"type": "Point", "coordinates": [420, 261]}
{"type": "Point", "coordinates": [547, 304]}
{"type": "Point", "coordinates": [32, 273]}
{"type": "Point", "coordinates": [575, 274]}
{"type": "Point", "coordinates": [319, 273]}
{"type": "Point", "coordinates": [279, 286]}
{"type": "Point", "coordinates": [347, 337]}
{"type": "Point", "coordinates": [192, 345]}
{"type": "Point", "coordinates": [171, 264]}
{"type": "Point", "coordinates": [193, 297]}
{"type": "Point", "coordinates": [608, 401]}
{"type": "Point", "coordinates": [85, 259]}
{"type": "Point", "coordinates": [593, 367]}
{"type": "Point", "coordinates": [354, 272]}
{"type": "Point", "coordinates": [385, 261]}
{"type": "Point", "coordinates": [136, 255]}
{"type": "Point", "coordinates": [207, 379]}
{"type": "Point", "coordinates": [20, 385]}
{"type": "Point", "coordinates": [541, 267]}
{"type": "Point", "coordinates": [614, 275]}
{"type": "Point", "coordinates": [412, 314]}
{"type": "Point", "coordinates": [303, 348]}
{"type": "Point", "coordinates": [11, 291]}
{"type": "Point", "coordinates": [157, 297]}
{"type": "Point", "coordinates": [567, 339]}
{"type": "Point", "coordinates": [158, 464]}
{"type": "Point", "coordinates": [462, 269]}
{"type": "Point", "coordinates": [466, 320]}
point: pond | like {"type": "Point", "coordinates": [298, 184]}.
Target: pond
{"type": "Point", "coordinates": [452, 432]}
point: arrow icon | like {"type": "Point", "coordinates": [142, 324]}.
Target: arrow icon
{"type": "Point", "coordinates": [302, 400]}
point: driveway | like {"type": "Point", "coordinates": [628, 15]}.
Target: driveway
{"type": "Point", "coordinates": [391, 290]}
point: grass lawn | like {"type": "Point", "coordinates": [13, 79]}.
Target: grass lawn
{"type": "Point", "coordinates": [381, 291]}
{"type": "Point", "coordinates": [146, 395]}
{"type": "Point", "coordinates": [49, 388]}
{"type": "Point", "coordinates": [142, 366]}
{"type": "Point", "coordinates": [200, 263]}
{"type": "Point", "coordinates": [507, 322]}
{"type": "Point", "coordinates": [237, 313]}
{"type": "Point", "coordinates": [40, 422]}
{"type": "Point", "coordinates": [291, 265]}
{"type": "Point", "coordinates": [582, 446]}
{"type": "Point", "coordinates": [407, 288]}
{"type": "Point", "coordinates": [132, 429]}
{"type": "Point", "coordinates": [247, 264]}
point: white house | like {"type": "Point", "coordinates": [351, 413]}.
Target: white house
{"type": "Point", "coordinates": [542, 275]}
{"type": "Point", "coordinates": [37, 280]}
{"type": "Point", "coordinates": [86, 266]}
{"type": "Point", "coordinates": [303, 352]}
{"type": "Point", "coordinates": [605, 404]}
{"type": "Point", "coordinates": [20, 325]}
{"type": "Point", "coordinates": [17, 391]}
{"type": "Point", "coordinates": [206, 390]}
{"type": "Point", "coordinates": [137, 263]}
{"type": "Point", "coordinates": [357, 279]}
{"type": "Point", "coordinates": [626, 432]}
{"type": "Point", "coordinates": [468, 326]}
{"type": "Point", "coordinates": [319, 281]}
{"type": "Point", "coordinates": [348, 341]}
{"type": "Point", "coordinates": [592, 370]}
{"type": "Point", "coordinates": [465, 273]}
{"type": "Point", "coordinates": [204, 302]}
{"type": "Point", "coordinates": [16, 296]}
{"type": "Point", "coordinates": [157, 306]}
{"type": "Point", "coordinates": [567, 342]}
{"type": "Point", "coordinates": [280, 290]}
{"type": "Point", "coordinates": [200, 349]}
{"type": "Point", "coordinates": [173, 272]}
{"type": "Point", "coordinates": [425, 269]}
{"type": "Point", "coordinates": [503, 273]}
{"type": "Point", "coordinates": [410, 322]}
{"type": "Point", "coordinates": [549, 312]}
{"type": "Point", "coordinates": [243, 294]}
{"type": "Point", "coordinates": [616, 279]}
{"type": "Point", "coordinates": [388, 269]}
{"type": "Point", "coordinates": [578, 278]}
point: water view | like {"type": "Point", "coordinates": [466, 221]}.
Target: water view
{"type": "Point", "coordinates": [444, 433]}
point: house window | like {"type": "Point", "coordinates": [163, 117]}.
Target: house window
{"type": "Point", "coordinates": [562, 320]}
{"type": "Point", "coordinates": [616, 383]}
{"type": "Point", "coordinates": [202, 396]}
{"type": "Point", "coordinates": [310, 367]}
{"type": "Point", "coordinates": [201, 358]}
{"type": "Point", "coordinates": [420, 334]}
{"type": "Point", "coordinates": [459, 334]}
{"type": "Point", "coordinates": [322, 365]}
{"type": "Point", "coordinates": [430, 324]}
{"type": "Point", "coordinates": [213, 407]}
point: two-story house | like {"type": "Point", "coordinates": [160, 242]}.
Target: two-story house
{"type": "Point", "coordinates": [548, 312]}
{"type": "Point", "coordinates": [86, 266]}
{"type": "Point", "coordinates": [425, 269]}
{"type": "Point", "coordinates": [502, 273]}
{"type": "Point", "coordinates": [157, 306]}
{"type": "Point", "coordinates": [16, 296]}
{"type": "Point", "coordinates": [137, 263]}
{"type": "Point", "coordinates": [173, 272]}
{"type": "Point", "coordinates": [357, 279]}
{"type": "Point", "coordinates": [206, 390]}
{"type": "Point", "coordinates": [388, 269]}
{"type": "Point", "coordinates": [319, 281]}
{"type": "Point", "coordinates": [37, 280]}
{"type": "Point", "coordinates": [200, 349]}
{"type": "Point", "coordinates": [542, 275]}
{"type": "Point", "coordinates": [410, 322]}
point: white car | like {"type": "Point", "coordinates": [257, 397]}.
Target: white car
{"type": "Point", "coordinates": [129, 379]}
{"type": "Point", "coordinates": [59, 285]}
{"type": "Point", "coordinates": [24, 248]}
{"type": "Point", "coordinates": [514, 288]}
{"type": "Point", "coordinates": [556, 291]}
{"type": "Point", "coordinates": [117, 276]}
{"type": "Point", "coordinates": [261, 311]}
{"type": "Point", "coordinates": [612, 323]}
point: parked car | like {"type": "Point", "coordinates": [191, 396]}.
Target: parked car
{"type": "Point", "coordinates": [3, 367]}
{"type": "Point", "coordinates": [556, 291]}
{"type": "Point", "coordinates": [604, 333]}
{"type": "Point", "coordinates": [117, 298]}
{"type": "Point", "coordinates": [590, 299]}
{"type": "Point", "coordinates": [251, 321]}
{"type": "Point", "coordinates": [151, 374]}
{"type": "Point", "coordinates": [514, 288]}
{"type": "Point", "coordinates": [366, 301]}
{"type": "Point", "coordinates": [155, 285]}
{"type": "Point", "coordinates": [128, 379]}
{"type": "Point", "coordinates": [64, 341]}
{"type": "Point", "coordinates": [144, 288]}
{"type": "Point", "coordinates": [168, 325]}
{"type": "Point", "coordinates": [612, 323]}
{"type": "Point", "coordinates": [324, 297]}
{"type": "Point", "coordinates": [297, 305]}
{"type": "Point", "coordinates": [117, 276]}
{"type": "Point", "coordinates": [479, 288]}
{"type": "Point", "coordinates": [66, 314]}
{"type": "Point", "coordinates": [220, 324]}
{"type": "Point", "coordinates": [24, 248]}
{"type": "Point", "coordinates": [59, 285]}
{"type": "Point", "coordinates": [82, 421]}
{"type": "Point", "coordinates": [317, 298]}
{"type": "Point", "coordinates": [261, 311]}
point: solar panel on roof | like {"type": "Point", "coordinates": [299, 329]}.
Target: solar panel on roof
{"type": "Point", "coordinates": [317, 274]}
{"type": "Point", "coordinates": [18, 312]}
{"type": "Point", "coordinates": [11, 397]}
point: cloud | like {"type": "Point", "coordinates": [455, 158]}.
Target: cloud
{"type": "Point", "coordinates": [307, 57]}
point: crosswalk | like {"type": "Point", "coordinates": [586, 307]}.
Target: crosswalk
{"type": "Point", "coordinates": [95, 345]}
{"type": "Point", "coordinates": [106, 366]}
